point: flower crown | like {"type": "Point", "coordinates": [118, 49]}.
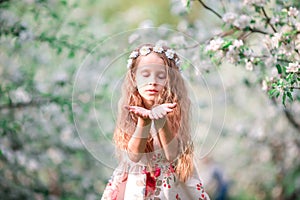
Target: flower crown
{"type": "Point", "coordinates": [145, 50]}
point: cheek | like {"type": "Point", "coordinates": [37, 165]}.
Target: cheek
{"type": "Point", "coordinates": [140, 81]}
{"type": "Point", "coordinates": [162, 82]}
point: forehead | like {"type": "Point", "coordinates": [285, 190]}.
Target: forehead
{"type": "Point", "coordinates": [150, 59]}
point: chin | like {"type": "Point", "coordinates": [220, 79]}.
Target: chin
{"type": "Point", "coordinates": [149, 98]}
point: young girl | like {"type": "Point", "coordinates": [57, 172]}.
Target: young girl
{"type": "Point", "coordinates": [152, 135]}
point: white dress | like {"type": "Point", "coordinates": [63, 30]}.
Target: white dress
{"type": "Point", "coordinates": [152, 178]}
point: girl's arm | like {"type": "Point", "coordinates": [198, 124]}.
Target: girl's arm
{"type": "Point", "coordinates": [137, 143]}
{"type": "Point", "coordinates": [167, 138]}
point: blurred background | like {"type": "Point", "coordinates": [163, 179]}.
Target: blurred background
{"type": "Point", "coordinates": [61, 67]}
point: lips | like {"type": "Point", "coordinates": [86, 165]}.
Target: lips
{"type": "Point", "coordinates": [152, 91]}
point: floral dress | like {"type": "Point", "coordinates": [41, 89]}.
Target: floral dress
{"type": "Point", "coordinates": [152, 178]}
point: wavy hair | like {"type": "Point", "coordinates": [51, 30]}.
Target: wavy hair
{"type": "Point", "coordinates": [174, 91]}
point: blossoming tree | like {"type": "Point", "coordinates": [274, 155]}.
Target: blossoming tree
{"type": "Point", "coordinates": [276, 59]}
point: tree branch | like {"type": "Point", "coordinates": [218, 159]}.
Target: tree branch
{"type": "Point", "coordinates": [289, 116]}
{"type": "Point", "coordinates": [210, 9]}
{"type": "Point", "coordinates": [294, 87]}
{"type": "Point", "coordinates": [268, 19]}
{"type": "Point", "coordinates": [253, 30]}
{"type": "Point", "coordinates": [220, 16]}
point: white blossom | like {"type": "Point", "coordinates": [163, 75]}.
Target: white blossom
{"type": "Point", "coordinates": [184, 2]}
{"type": "Point", "coordinates": [297, 42]}
{"type": "Point", "coordinates": [129, 63]}
{"type": "Point", "coordinates": [215, 44]}
{"type": "Point", "coordinates": [238, 43]}
{"type": "Point", "coordinates": [170, 53]}
{"type": "Point", "coordinates": [232, 54]}
{"type": "Point", "coordinates": [134, 54]}
{"type": "Point", "coordinates": [297, 25]}
{"type": "Point", "coordinates": [145, 50]}
{"type": "Point", "coordinates": [276, 39]}
{"type": "Point", "coordinates": [274, 20]}
{"type": "Point", "coordinates": [293, 12]}
{"type": "Point", "coordinates": [219, 55]}
{"type": "Point", "coordinates": [264, 85]}
{"type": "Point", "coordinates": [32, 165]}
{"type": "Point", "coordinates": [248, 52]}
{"type": "Point", "coordinates": [229, 17]}
{"type": "Point", "coordinates": [242, 21]}
{"type": "Point", "coordinates": [249, 65]}
{"type": "Point", "coordinates": [158, 48]}
{"type": "Point", "coordinates": [286, 29]}
{"type": "Point", "coordinates": [293, 67]}
{"type": "Point", "coordinates": [60, 77]}
{"type": "Point", "coordinates": [177, 62]}
{"type": "Point", "coordinates": [55, 155]}
{"type": "Point", "coordinates": [286, 49]}
{"type": "Point", "coordinates": [20, 96]}
{"type": "Point", "coordinates": [260, 3]}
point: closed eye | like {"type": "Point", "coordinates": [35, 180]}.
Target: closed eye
{"type": "Point", "coordinates": [162, 75]}
{"type": "Point", "coordinates": [145, 74]}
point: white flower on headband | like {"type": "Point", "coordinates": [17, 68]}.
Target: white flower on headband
{"type": "Point", "coordinates": [145, 50]}
{"type": "Point", "coordinates": [170, 53]}
{"type": "Point", "coordinates": [177, 62]}
{"type": "Point", "coordinates": [129, 63]}
{"type": "Point", "coordinates": [134, 54]}
{"type": "Point", "coordinates": [158, 48]}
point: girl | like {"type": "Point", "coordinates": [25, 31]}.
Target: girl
{"type": "Point", "coordinates": [152, 135]}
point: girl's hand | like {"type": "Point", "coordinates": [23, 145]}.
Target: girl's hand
{"type": "Point", "coordinates": [139, 111]}
{"type": "Point", "coordinates": [161, 111]}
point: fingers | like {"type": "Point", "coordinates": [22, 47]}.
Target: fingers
{"type": "Point", "coordinates": [139, 111]}
{"type": "Point", "coordinates": [157, 112]}
{"type": "Point", "coordinates": [155, 115]}
{"type": "Point", "coordinates": [170, 105]}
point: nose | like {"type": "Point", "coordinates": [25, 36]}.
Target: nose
{"type": "Point", "coordinates": [152, 80]}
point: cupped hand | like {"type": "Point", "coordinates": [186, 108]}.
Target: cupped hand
{"type": "Point", "coordinates": [139, 111]}
{"type": "Point", "coordinates": [159, 112]}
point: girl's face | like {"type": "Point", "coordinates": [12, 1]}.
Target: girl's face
{"type": "Point", "coordinates": [150, 77]}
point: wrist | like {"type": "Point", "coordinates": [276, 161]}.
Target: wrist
{"type": "Point", "coordinates": [143, 122]}
{"type": "Point", "coordinates": [160, 123]}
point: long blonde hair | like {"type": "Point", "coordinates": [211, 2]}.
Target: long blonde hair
{"type": "Point", "coordinates": [175, 91]}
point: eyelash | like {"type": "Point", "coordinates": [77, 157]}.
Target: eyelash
{"type": "Point", "coordinates": [145, 75]}
{"type": "Point", "coordinates": [159, 76]}
{"type": "Point", "coordinates": [162, 76]}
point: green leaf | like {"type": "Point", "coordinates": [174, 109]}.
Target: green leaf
{"type": "Point", "coordinates": [290, 76]}
{"type": "Point", "coordinates": [188, 4]}
{"type": "Point", "coordinates": [71, 54]}
{"type": "Point", "coordinates": [290, 96]}
{"type": "Point", "coordinates": [63, 2]}
{"type": "Point", "coordinates": [58, 50]}
{"type": "Point", "coordinates": [226, 44]}
{"type": "Point", "coordinates": [279, 68]}
{"type": "Point", "coordinates": [271, 92]}
{"type": "Point", "coordinates": [283, 98]}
